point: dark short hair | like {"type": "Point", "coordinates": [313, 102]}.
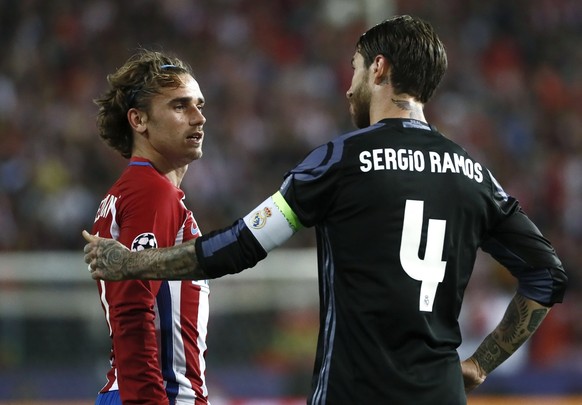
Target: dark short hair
{"type": "Point", "coordinates": [133, 85]}
{"type": "Point", "coordinates": [416, 54]}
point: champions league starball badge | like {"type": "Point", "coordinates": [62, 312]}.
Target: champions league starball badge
{"type": "Point", "coordinates": [144, 241]}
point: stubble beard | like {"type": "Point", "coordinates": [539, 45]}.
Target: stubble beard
{"type": "Point", "coordinates": [361, 106]}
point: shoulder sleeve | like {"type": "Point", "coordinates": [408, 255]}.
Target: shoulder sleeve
{"type": "Point", "coordinates": [310, 187]}
{"type": "Point", "coordinates": [150, 212]}
{"type": "Point", "coordinates": [516, 243]}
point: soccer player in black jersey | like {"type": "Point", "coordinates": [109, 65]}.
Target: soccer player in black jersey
{"type": "Point", "coordinates": [400, 212]}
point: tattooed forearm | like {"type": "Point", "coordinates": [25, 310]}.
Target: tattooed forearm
{"type": "Point", "coordinates": [489, 355]}
{"type": "Point", "coordinates": [536, 319]}
{"type": "Point", "coordinates": [414, 109]}
{"type": "Point", "coordinates": [174, 263]}
{"type": "Point", "coordinates": [511, 331]}
{"type": "Point", "coordinates": [521, 319]}
{"type": "Point", "coordinates": [110, 260]}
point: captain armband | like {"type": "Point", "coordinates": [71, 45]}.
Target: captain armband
{"type": "Point", "coordinates": [248, 240]}
{"type": "Point", "coordinates": [272, 222]}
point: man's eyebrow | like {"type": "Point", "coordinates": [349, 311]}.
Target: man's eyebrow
{"type": "Point", "coordinates": [199, 100]}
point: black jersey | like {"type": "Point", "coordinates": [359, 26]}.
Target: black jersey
{"type": "Point", "coordinates": [400, 212]}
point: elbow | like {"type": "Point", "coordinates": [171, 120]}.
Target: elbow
{"type": "Point", "coordinates": [546, 286]}
{"type": "Point", "coordinates": [560, 284]}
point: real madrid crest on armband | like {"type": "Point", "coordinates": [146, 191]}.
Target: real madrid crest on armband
{"type": "Point", "coordinates": [259, 218]}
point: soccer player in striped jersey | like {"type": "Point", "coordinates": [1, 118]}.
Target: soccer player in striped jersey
{"type": "Point", "coordinates": [152, 115]}
{"type": "Point", "coordinates": [400, 212]}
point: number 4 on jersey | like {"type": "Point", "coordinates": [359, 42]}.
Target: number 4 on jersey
{"type": "Point", "coordinates": [430, 271]}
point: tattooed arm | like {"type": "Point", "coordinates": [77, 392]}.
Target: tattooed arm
{"type": "Point", "coordinates": [110, 260]}
{"type": "Point", "coordinates": [225, 251]}
{"type": "Point", "coordinates": [522, 317]}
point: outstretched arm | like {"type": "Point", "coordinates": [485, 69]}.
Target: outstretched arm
{"type": "Point", "coordinates": [225, 251]}
{"type": "Point", "coordinates": [110, 260]}
{"type": "Point", "coordinates": [522, 317]}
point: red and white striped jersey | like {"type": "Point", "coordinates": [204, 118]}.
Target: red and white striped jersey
{"type": "Point", "coordinates": [158, 328]}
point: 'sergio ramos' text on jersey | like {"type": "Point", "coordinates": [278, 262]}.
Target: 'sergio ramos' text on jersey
{"type": "Point", "coordinates": [158, 329]}
{"type": "Point", "coordinates": [400, 212]}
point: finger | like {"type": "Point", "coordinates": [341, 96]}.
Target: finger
{"type": "Point", "coordinates": [89, 251]}
{"type": "Point", "coordinates": [96, 275]}
{"type": "Point", "coordinates": [88, 237]}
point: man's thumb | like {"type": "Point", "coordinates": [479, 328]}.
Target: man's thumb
{"type": "Point", "coordinates": [88, 237]}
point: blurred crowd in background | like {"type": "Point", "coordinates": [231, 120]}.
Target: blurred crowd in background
{"type": "Point", "coordinates": [274, 74]}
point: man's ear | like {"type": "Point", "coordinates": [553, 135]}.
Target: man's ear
{"type": "Point", "coordinates": [137, 120]}
{"type": "Point", "coordinates": [381, 70]}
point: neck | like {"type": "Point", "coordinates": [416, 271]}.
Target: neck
{"type": "Point", "coordinates": [398, 107]}
{"type": "Point", "coordinates": [172, 173]}
{"type": "Point", "coordinates": [175, 176]}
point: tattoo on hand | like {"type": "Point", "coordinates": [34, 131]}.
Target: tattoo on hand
{"type": "Point", "coordinates": [113, 256]}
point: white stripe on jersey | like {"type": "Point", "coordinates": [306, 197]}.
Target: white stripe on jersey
{"type": "Point", "coordinates": [114, 386]}
{"type": "Point", "coordinates": [178, 350]}
{"type": "Point", "coordinates": [105, 304]}
{"type": "Point", "coordinates": [202, 326]}
{"type": "Point", "coordinates": [186, 394]}
{"type": "Point", "coordinates": [114, 231]}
